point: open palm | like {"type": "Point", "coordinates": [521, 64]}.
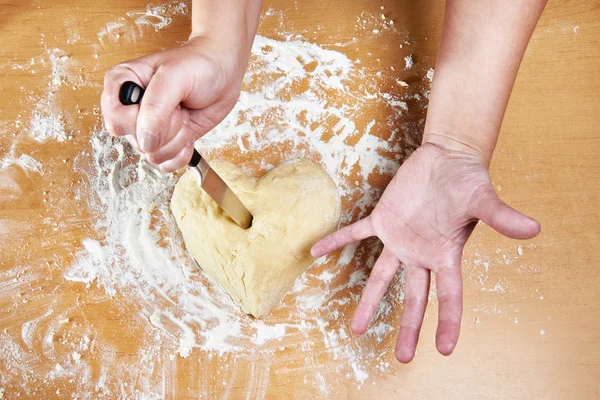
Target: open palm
{"type": "Point", "coordinates": [424, 219]}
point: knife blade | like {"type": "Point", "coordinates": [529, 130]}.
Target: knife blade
{"type": "Point", "coordinates": [210, 181]}
{"type": "Point", "coordinates": [216, 188]}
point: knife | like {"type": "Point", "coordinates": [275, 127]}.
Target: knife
{"type": "Point", "coordinates": [131, 93]}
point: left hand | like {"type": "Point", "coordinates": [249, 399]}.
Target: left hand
{"type": "Point", "coordinates": [424, 219]}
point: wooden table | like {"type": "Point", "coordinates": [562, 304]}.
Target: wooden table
{"type": "Point", "coordinates": [534, 334]}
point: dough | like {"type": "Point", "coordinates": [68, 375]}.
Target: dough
{"type": "Point", "coordinates": [294, 205]}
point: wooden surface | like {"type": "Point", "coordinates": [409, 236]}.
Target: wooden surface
{"type": "Point", "coordinates": [536, 339]}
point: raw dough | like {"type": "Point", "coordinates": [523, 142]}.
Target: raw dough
{"type": "Point", "coordinates": [293, 206]}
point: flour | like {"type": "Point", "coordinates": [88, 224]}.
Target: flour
{"type": "Point", "coordinates": [377, 24]}
{"type": "Point", "coordinates": [132, 26]}
{"type": "Point", "coordinates": [347, 254]}
{"type": "Point", "coordinates": [24, 161]}
{"type": "Point", "coordinates": [47, 122]}
{"type": "Point", "coordinates": [265, 333]}
{"type": "Point", "coordinates": [61, 64]}
{"type": "Point", "coordinates": [430, 73]}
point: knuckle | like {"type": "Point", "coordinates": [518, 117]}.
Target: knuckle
{"type": "Point", "coordinates": [378, 281]}
{"type": "Point", "coordinates": [153, 115]}
{"type": "Point", "coordinates": [165, 70]}
{"type": "Point", "coordinates": [113, 73]}
{"type": "Point", "coordinates": [153, 106]}
{"type": "Point", "coordinates": [413, 303]}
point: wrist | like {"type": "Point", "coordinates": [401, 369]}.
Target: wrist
{"type": "Point", "coordinates": [464, 145]}
{"type": "Point", "coordinates": [231, 24]}
{"type": "Point", "coordinates": [234, 43]}
{"type": "Point", "coordinates": [233, 58]}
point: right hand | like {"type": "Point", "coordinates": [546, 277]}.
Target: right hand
{"type": "Point", "coordinates": [189, 90]}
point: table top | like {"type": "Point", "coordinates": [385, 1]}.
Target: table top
{"type": "Point", "coordinates": [86, 315]}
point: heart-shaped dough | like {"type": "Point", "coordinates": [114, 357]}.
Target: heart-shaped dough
{"type": "Point", "coordinates": [293, 205]}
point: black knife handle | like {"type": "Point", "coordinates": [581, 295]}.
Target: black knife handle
{"type": "Point", "coordinates": [132, 93]}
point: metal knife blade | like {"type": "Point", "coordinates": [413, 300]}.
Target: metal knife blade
{"type": "Point", "coordinates": [216, 188]}
{"type": "Point", "coordinates": [213, 185]}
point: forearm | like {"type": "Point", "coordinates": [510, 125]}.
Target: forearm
{"type": "Point", "coordinates": [481, 48]}
{"type": "Point", "coordinates": [232, 23]}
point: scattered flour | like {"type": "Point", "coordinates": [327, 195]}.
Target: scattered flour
{"type": "Point", "coordinates": [46, 125]}
{"type": "Point", "coordinates": [430, 73]}
{"type": "Point", "coordinates": [24, 161]}
{"type": "Point", "coordinates": [47, 121]}
{"type": "Point", "coordinates": [132, 26]}
{"type": "Point", "coordinates": [146, 260]}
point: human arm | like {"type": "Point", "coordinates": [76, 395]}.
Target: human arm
{"type": "Point", "coordinates": [481, 49]}
{"type": "Point", "coordinates": [429, 209]}
{"type": "Point", "coordinates": [189, 89]}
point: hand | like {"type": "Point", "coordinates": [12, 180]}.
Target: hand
{"type": "Point", "coordinates": [424, 219]}
{"type": "Point", "coordinates": [189, 90]}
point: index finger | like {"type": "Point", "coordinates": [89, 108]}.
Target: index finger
{"type": "Point", "coordinates": [355, 232]}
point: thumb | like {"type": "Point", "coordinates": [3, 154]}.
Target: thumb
{"type": "Point", "coordinates": [165, 91]}
{"type": "Point", "coordinates": [487, 206]}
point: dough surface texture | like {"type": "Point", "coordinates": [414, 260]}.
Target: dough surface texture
{"type": "Point", "coordinates": [293, 205]}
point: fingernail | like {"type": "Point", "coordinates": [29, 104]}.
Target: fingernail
{"type": "Point", "coordinates": [148, 141]}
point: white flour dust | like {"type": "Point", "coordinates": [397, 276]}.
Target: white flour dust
{"type": "Point", "coordinates": [47, 120]}
{"type": "Point", "coordinates": [132, 25]}
{"type": "Point", "coordinates": [26, 162]}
